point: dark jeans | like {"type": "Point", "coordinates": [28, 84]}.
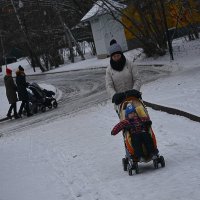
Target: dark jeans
{"type": "Point", "coordinates": [143, 138]}
{"type": "Point", "coordinates": [24, 104]}
{"type": "Point", "coordinates": [13, 107]}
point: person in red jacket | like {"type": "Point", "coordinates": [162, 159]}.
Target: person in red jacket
{"type": "Point", "coordinates": [138, 128]}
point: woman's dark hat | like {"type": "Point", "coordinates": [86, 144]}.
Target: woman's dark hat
{"type": "Point", "coordinates": [21, 68]}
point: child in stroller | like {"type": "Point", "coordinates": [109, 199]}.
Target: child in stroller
{"type": "Point", "coordinates": [41, 98]}
{"type": "Point", "coordinates": [139, 139]}
{"type": "Point", "coordinates": [138, 128]}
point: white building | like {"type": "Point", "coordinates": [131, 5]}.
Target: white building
{"type": "Point", "coordinates": [105, 28]}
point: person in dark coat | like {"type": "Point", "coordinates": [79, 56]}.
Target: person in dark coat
{"type": "Point", "coordinates": [11, 94]}
{"type": "Point", "coordinates": [22, 91]}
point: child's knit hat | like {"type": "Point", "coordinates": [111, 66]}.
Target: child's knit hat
{"type": "Point", "coordinates": [129, 109]}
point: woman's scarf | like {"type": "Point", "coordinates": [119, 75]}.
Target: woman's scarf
{"type": "Point", "coordinates": [118, 65]}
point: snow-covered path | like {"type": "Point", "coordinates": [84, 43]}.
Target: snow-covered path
{"type": "Point", "coordinates": [80, 89]}
{"type": "Point", "coordinates": [76, 158]}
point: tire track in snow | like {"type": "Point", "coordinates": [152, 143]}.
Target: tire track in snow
{"type": "Point", "coordinates": [80, 91]}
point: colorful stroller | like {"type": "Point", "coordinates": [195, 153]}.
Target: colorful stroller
{"type": "Point", "coordinates": [129, 164]}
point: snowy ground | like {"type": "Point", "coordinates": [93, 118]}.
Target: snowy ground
{"type": "Point", "coordinates": [76, 158]}
{"type": "Point", "coordinates": [182, 89]}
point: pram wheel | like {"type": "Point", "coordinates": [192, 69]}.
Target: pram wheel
{"type": "Point", "coordinates": [136, 168]}
{"type": "Point", "coordinates": [132, 166]}
{"type": "Point", "coordinates": [162, 161]}
{"type": "Point", "coordinates": [129, 168]}
{"type": "Point", "coordinates": [125, 163]}
{"type": "Point", "coordinates": [35, 110]}
{"type": "Point", "coordinates": [43, 108]}
{"type": "Point", "coordinates": [155, 163]}
{"type": "Point", "coordinates": [55, 104]}
{"type": "Point", "coordinates": [50, 106]}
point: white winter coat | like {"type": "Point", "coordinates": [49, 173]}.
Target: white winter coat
{"type": "Point", "coordinates": [121, 81]}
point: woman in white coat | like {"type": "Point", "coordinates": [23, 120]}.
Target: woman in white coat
{"type": "Point", "coordinates": [121, 75]}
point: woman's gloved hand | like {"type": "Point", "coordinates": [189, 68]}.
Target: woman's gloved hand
{"type": "Point", "coordinates": [134, 93]}
{"type": "Point", "coordinates": [118, 98]}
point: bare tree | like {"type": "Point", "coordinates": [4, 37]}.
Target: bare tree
{"type": "Point", "coordinates": [40, 28]}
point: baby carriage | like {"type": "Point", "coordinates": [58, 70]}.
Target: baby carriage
{"type": "Point", "coordinates": [40, 98]}
{"type": "Point", "coordinates": [129, 163]}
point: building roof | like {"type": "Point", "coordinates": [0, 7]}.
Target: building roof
{"type": "Point", "coordinates": [100, 8]}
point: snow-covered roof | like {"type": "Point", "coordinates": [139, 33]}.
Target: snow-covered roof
{"type": "Point", "coordinates": [101, 8]}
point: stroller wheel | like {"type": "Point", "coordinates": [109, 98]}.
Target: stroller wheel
{"type": "Point", "coordinates": [43, 108]}
{"type": "Point", "coordinates": [136, 168]}
{"type": "Point", "coordinates": [50, 106]}
{"type": "Point", "coordinates": [124, 163]}
{"type": "Point", "coordinates": [155, 163]}
{"type": "Point", "coordinates": [55, 104]}
{"type": "Point", "coordinates": [162, 161]}
{"type": "Point", "coordinates": [35, 110]}
{"type": "Point", "coordinates": [129, 168]}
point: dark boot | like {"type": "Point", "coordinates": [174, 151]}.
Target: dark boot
{"type": "Point", "coordinates": [9, 112]}
{"type": "Point", "coordinates": [137, 145]}
{"type": "Point", "coordinates": [16, 116]}
{"type": "Point", "coordinates": [20, 114]}
{"type": "Point", "coordinates": [21, 109]}
{"type": "Point", "coordinates": [9, 116]}
{"type": "Point", "coordinates": [148, 142]}
{"type": "Point", "coordinates": [29, 114]}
